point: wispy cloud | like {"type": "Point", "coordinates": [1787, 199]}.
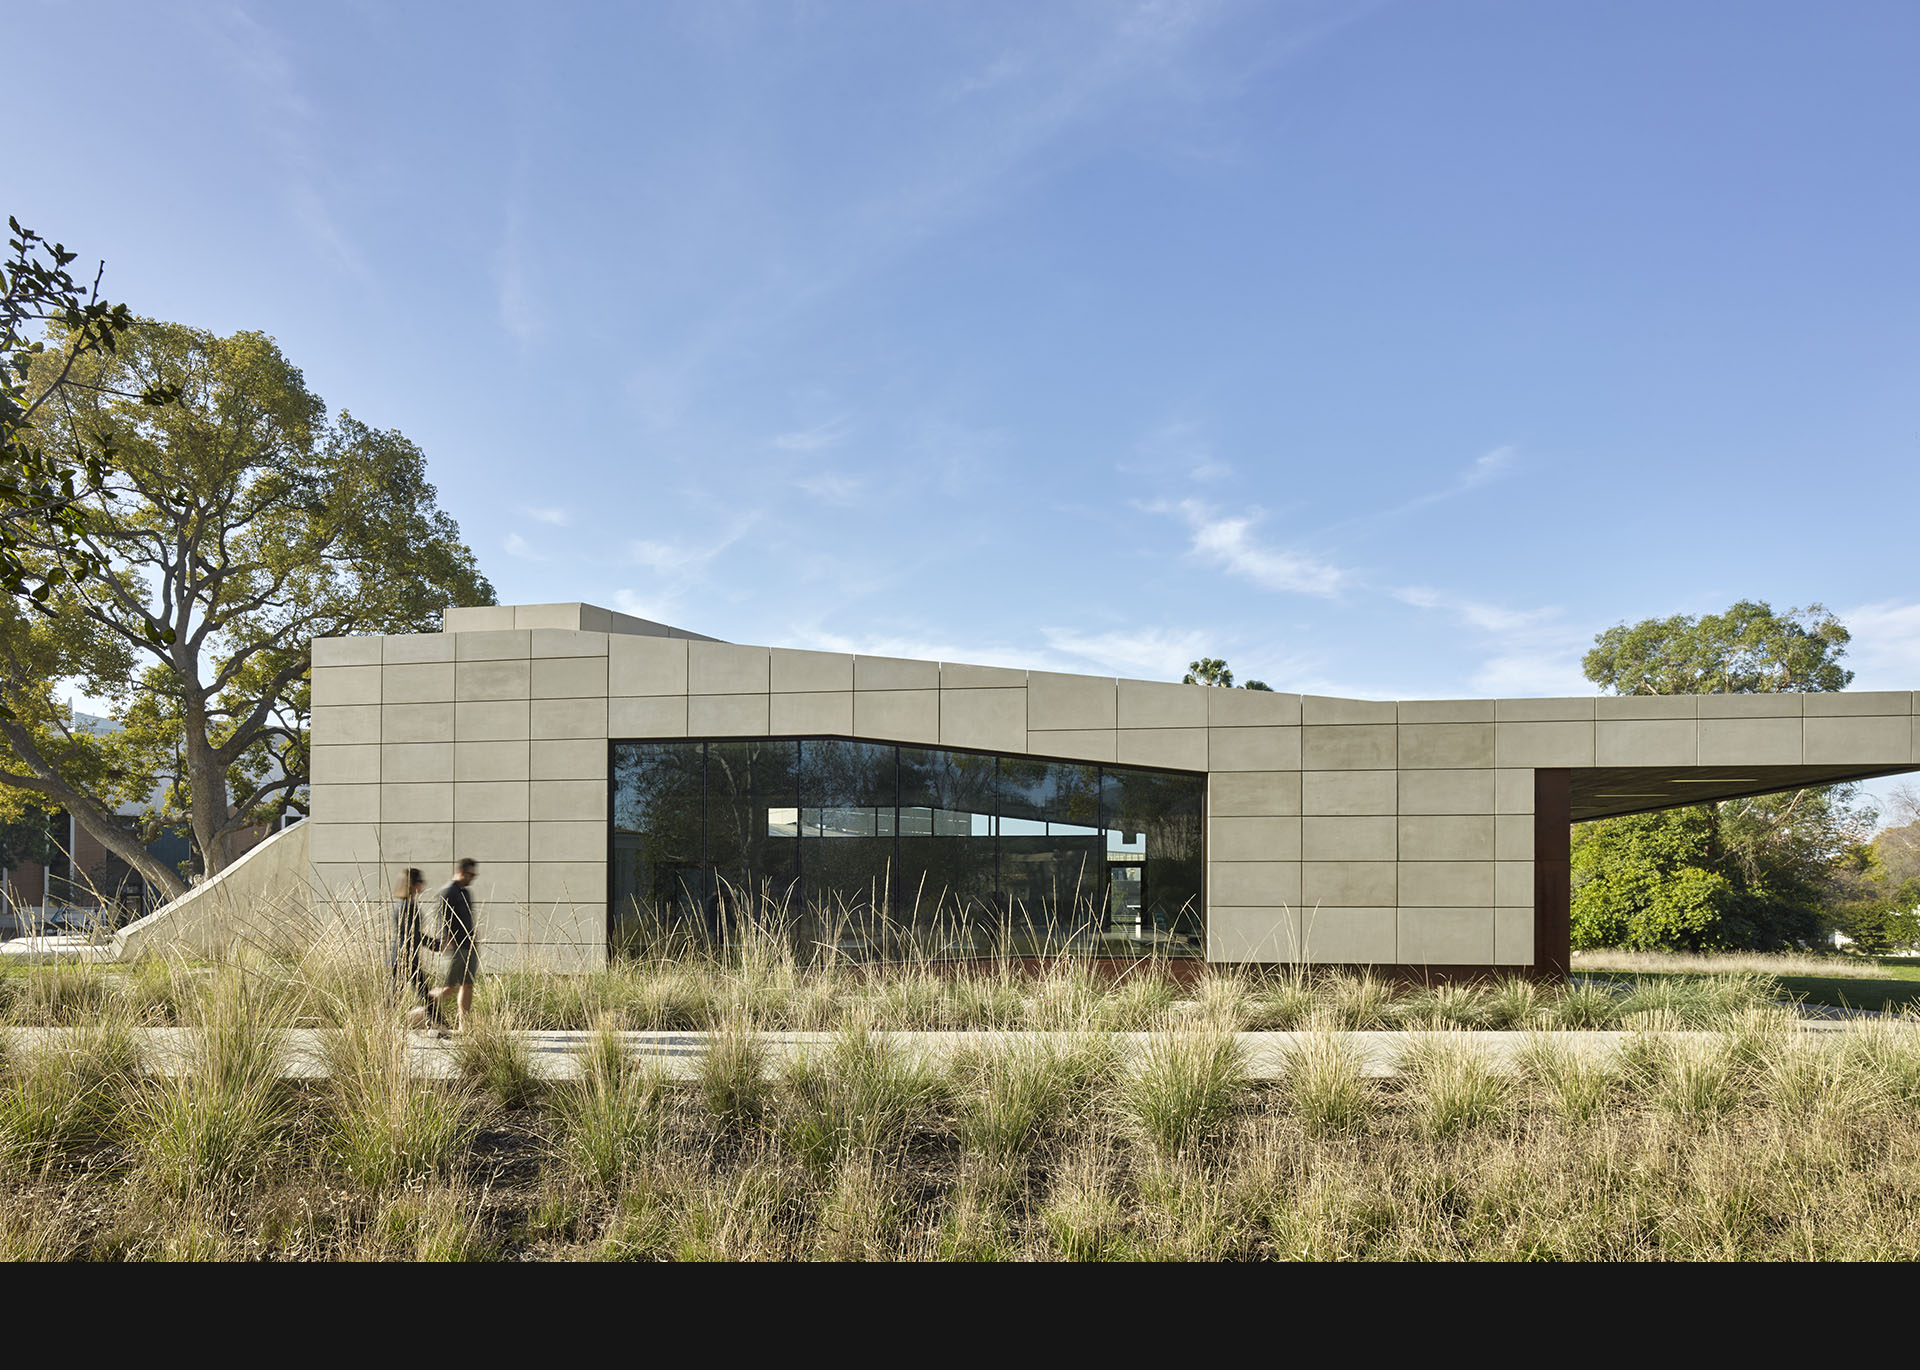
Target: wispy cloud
{"type": "Point", "coordinates": [288, 123]}
{"type": "Point", "coordinates": [1491, 618]}
{"type": "Point", "coordinates": [1227, 541]}
{"type": "Point", "coordinates": [518, 546]}
{"type": "Point", "coordinates": [1488, 466]}
{"type": "Point", "coordinates": [1144, 652]}
{"type": "Point", "coordinates": [1885, 651]}
{"type": "Point", "coordinates": [834, 487]}
{"type": "Point", "coordinates": [816, 439]}
{"type": "Point", "coordinates": [1179, 449]}
{"type": "Point", "coordinates": [558, 518]}
{"type": "Point", "coordinates": [1530, 651]}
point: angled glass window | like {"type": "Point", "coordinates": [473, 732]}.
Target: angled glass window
{"type": "Point", "coordinates": [869, 849]}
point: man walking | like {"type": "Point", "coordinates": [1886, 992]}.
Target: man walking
{"type": "Point", "coordinates": [456, 938]}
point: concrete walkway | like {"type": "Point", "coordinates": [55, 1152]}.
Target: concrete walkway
{"type": "Point", "coordinates": [555, 1055]}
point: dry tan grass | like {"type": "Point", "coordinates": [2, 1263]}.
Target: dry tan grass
{"type": "Point", "coordinates": [1727, 963]}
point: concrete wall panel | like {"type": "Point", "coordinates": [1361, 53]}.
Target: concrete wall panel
{"type": "Point", "coordinates": [720, 668]}
{"type": "Point", "coordinates": [413, 762]}
{"type": "Point", "coordinates": [1085, 744]}
{"type": "Point", "coordinates": [1544, 744]}
{"type": "Point", "coordinates": [1253, 749]}
{"type": "Point", "coordinates": [1645, 742]}
{"type": "Point", "coordinates": [1266, 934]}
{"type": "Point", "coordinates": [1348, 839]}
{"type": "Point", "coordinates": [346, 651]}
{"type": "Point", "coordinates": [1252, 709]}
{"type": "Point", "coordinates": [727, 715]}
{"type": "Point", "coordinates": [346, 724]}
{"type": "Point", "coordinates": [1155, 704]}
{"type": "Point", "coordinates": [1453, 746]}
{"type": "Point", "coordinates": [1348, 747]}
{"type": "Point", "coordinates": [1348, 793]}
{"type": "Point", "coordinates": [828, 713]}
{"type": "Point", "coordinates": [1455, 883]}
{"type": "Point", "coordinates": [493, 680]}
{"type": "Point", "coordinates": [1447, 837]}
{"type": "Point", "coordinates": [499, 645]}
{"type": "Point", "coordinates": [583, 758]}
{"type": "Point", "coordinates": [1071, 702]}
{"type": "Point", "coordinates": [1349, 884]}
{"type": "Point", "coordinates": [1351, 936]}
{"type": "Point", "coordinates": [894, 673]}
{"type": "Point", "coordinates": [897, 715]}
{"type": "Point", "coordinates": [415, 723]}
{"type": "Point", "coordinates": [800, 672]}
{"type": "Point", "coordinates": [1253, 839]}
{"type": "Point", "coordinates": [1751, 741]}
{"type": "Point", "coordinates": [647, 665]}
{"type": "Point", "coordinates": [1241, 884]}
{"type": "Point", "coordinates": [1446, 936]}
{"type": "Point", "coordinates": [984, 720]}
{"type": "Point", "coordinates": [490, 760]}
{"type": "Point", "coordinates": [427, 683]}
{"type": "Point", "coordinates": [1444, 791]}
{"type": "Point", "coordinates": [1858, 739]}
{"type": "Point", "coordinates": [647, 716]}
{"type": "Point", "coordinates": [1181, 749]}
{"type": "Point", "coordinates": [1254, 794]}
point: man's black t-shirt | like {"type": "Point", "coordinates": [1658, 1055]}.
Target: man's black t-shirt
{"type": "Point", "coordinates": [456, 918]}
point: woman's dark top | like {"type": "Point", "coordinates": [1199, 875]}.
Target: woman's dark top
{"type": "Point", "coordinates": [406, 933]}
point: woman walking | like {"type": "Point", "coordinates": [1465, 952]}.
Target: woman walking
{"type": "Point", "coordinates": [403, 950]}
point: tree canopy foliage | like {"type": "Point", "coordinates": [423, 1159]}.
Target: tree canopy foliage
{"type": "Point", "coordinates": [1756, 873]}
{"type": "Point", "coordinates": [1749, 649]}
{"type": "Point", "coordinates": [1211, 670]}
{"type": "Point", "coordinates": [231, 529]}
{"type": "Point", "coordinates": [41, 488]}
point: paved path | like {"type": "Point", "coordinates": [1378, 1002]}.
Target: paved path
{"type": "Point", "coordinates": [555, 1055]}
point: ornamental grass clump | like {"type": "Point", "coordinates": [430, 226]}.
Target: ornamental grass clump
{"type": "Point", "coordinates": [1445, 1006]}
{"type": "Point", "coordinates": [1280, 1002]}
{"type": "Point", "coordinates": [1356, 1003]}
{"type": "Point", "coordinates": [1515, 1003]}
{"type": "Point", "coordinates": [1576, 1084]}
{"type": "Point", "coordinates": [65, 1096]}
{"type": "Point", "coordinates": [1695, 1081]}
{"type": "Point", "coordinates": [387, 1127]}
{"type": "Point", "coordinates": [1012, 1095]}
{"type": "Point", "coordinates": [1451, 1086]}
{"type": "Point", "coordinates": [612, 1117]}
{"type": "Point", "coordinates": [1886, 1053]}
{"type": "Point", "coordinates": [1186, 1090]}
{"type": "Point", "coordinates": [1584, 1006]}
{"type": "Point", "coordinates": [494, 1057]}
{"type": "Point", "coordinates": [219, 1116]}
{"type": "Point", "coordinates": [1324, 1086]}
{"type": "Point", "coordinates": [731, 1076]}
{"type": "Point", "coordinates": [1084, 1217]}
{"type": "Point", "coordinates": [865, 1094]}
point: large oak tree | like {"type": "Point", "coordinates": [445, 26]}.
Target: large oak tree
{"type": "Point", "coordinates": [1753, 873]}
{"type": "Point", "coordinates": [232, 528]}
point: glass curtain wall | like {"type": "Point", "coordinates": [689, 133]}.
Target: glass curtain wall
{"type": "Point", "coordinates": [869, 849]}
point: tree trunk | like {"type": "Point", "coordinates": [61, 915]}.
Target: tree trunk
{"type": "Point", "coordinates": [88, 814]}
{"type": "Point", "coordinates": [206, 777]}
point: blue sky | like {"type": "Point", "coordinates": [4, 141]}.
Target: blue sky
{"type": "Point", "coordinates": [1383, 349]}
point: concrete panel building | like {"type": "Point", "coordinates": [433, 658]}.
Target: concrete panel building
{"type": "Point", "coordinates": [612, 774]}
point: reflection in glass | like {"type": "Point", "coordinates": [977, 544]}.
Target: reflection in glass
{"type": "Point", "coordinates": [866, 849]}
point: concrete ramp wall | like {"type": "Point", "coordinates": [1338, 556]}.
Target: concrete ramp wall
{"type": "Point", "coordinates": [263, 902]}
